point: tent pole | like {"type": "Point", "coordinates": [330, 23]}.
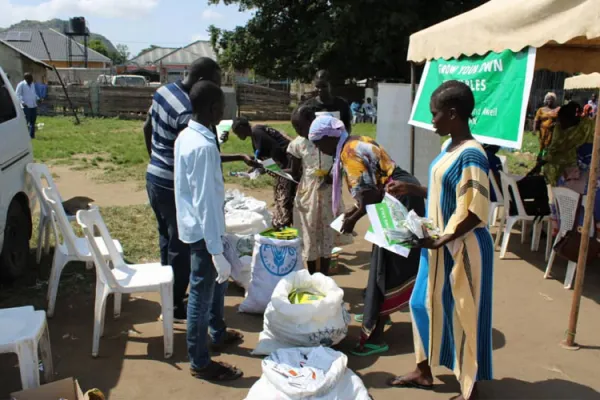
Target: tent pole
{"type": "Point", "coordinates": [569, 341]}
{"type": "Point", "coordinates": [413, 92]}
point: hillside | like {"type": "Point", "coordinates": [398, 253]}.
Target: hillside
{"type": "Point", "coordinates": [57, 24]}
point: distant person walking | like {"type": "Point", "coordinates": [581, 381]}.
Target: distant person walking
{"type": "Point", "coordinates": [326, 101]}
{"type": "Point", "coordinates": [29, 101]}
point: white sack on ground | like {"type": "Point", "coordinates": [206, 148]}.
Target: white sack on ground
{"type": "Point", "coordinates": [272, 260]}
{"type": "Point", "coordinates": [317, 373]}
{"type": "Point", "coordinates": [321, 323]}
{"type": "Point", "coordinates": [241, 214]}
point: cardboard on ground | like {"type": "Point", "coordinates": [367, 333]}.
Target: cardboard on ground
{"type": "Point", "coordinates": [64, 389]}
{"type": "Point", "coordinates": [380, 217]}
{"type": "Point", "coordinates": [272, 166]}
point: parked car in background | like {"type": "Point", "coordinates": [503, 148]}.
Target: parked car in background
{"type": "Point", "coordinates": [17, 193]}
{"type": "Point", "coordinates": [122, 80]}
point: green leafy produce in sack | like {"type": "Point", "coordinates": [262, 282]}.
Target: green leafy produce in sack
{"type": "Point", "coordinates": [304, 297]}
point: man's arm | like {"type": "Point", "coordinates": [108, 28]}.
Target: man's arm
{"type": "Point", "coordinates": [19, 93]}
{"type": "Point", "coordinates": [204, 178]}
{"type": "Point", "coordinates": [148, 132]}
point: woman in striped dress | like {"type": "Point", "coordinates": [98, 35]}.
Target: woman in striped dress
{"type": "Point", "coordinates": [451, 305]}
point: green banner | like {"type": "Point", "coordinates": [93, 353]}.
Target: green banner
{"type": "Point", "coordinates": [501, 83]}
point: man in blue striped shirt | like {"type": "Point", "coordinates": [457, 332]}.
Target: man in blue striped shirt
{"type": "Point", "coordinates": [170, 113]}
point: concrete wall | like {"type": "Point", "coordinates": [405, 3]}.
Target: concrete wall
{"type": "Point", "coordinates": [15, 65]}
{"type": "Point", "coordinates": [76, 64]}
{"type": "Point", "coordinates": [10, 61]}
{"type": "Point", "coordinates": [393, 131]}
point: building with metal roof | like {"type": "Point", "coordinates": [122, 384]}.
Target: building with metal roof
{"type": "Point", "coordinates": [151, 56]}
{"type": "Point", "coordinates": [30, 42]}
{"type": "Point", "coordinates": [15, 63]}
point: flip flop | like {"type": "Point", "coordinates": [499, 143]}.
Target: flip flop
{"type": "Point", "coordinates": [359, 318]}
{"type": "Point", "coordinates": [372, 349]}
{"type": "Point", "coordinates": [407, 384]}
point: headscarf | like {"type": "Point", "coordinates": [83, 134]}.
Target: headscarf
{"type": "Point", "coordinates": [329, 126]}
{"type": "Point", "coordinates": [550, 94]}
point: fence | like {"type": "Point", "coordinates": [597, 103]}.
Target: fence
{"type": "Point", "coordinates": [112, 101]}
{"type": "Point", "coordinates": [262, 103]}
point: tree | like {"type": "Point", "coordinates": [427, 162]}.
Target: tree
{"type": "Point", "coordinates": [351, 38]}
{"type": "Point", "coordinates": [121, 55]}
{"type": "Point", "coordinates": [98, 46]}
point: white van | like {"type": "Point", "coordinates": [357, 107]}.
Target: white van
{"type": "Point", "coordinates": [17, 193]}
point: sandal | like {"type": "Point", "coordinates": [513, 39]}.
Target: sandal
{"type": "Point", "coordinates": [230, 337]}
{"type": "Point", "coordinates": [359, 318]}
{"type": "Point", "coordinates": [403, 383]}
{"type": "Point", "coordinates": [217, 372]}
{"type": "Point", "coordinates": [370, 349]}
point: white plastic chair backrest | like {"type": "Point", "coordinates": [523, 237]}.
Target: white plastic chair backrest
{"type": "Point", "coordinates": [504, 162]}
{"type": "Point", "coordinates": [91, 221]}
{"type": "Point", "coordinates": [40, 173]}
{"type": "Point", "coordinates": [566, 201]}
{"type": "Point", "coordinates": [60, 222]}
{"type": "Point", "coordinates": [509, 182]}
{"type": "Point", "coordinates": [499, 197]}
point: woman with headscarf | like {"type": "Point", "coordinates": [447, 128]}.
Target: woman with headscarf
{"type": "Point", "coordinates": [451, 305]}
{"type": "Point", "coordinates": [545, 119]}
{"type": "Point", "coordinates": [568, 158]}
{"type": "Point", "coordinates": [368, 168]}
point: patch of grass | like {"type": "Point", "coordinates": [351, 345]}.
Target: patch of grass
{"type": "Point", "coordinates": [133, 226]}
{"type": "Point", "coordinates": [116, 149]}
{"type": "Point", "coordinates": [520, 162]}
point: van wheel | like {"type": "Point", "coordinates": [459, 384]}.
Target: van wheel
{"type": "Point", "coordinates": [15, 252]}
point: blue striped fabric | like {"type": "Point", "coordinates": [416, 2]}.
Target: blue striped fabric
{"type": "Point", "coordinates": [171, 112]}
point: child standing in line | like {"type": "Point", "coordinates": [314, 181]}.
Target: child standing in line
{"type": "Point", "coordinates": [312, 206]}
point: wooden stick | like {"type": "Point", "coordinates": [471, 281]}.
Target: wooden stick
{"type": "Point", "coordinates": [413, 93]}
{"type": "Point", "coordinates": [569, 341]}
{"type": "Point", "coordinates": [60, 79]}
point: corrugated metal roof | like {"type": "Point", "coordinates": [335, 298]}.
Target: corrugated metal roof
{"type": "Point", "coordinates": [178, 57]}
{"type": "Point", "coordinates": [57, 45]}
{"type": "Point", "coordinates": [202, 48]}
{"type": "Point", "coordinates": [151, 56]}
{"type": "Point", "coordinates": [35, 60]}
{"type": "Point", "coordinates": [190, 53]}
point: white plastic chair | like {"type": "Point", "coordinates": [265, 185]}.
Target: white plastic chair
{"type": "Point", "coordinates": [497, 205]}
{"type": "Point", "coordinates": [40, 173]}
{"type": "Point", "coordinates": [22, 330]}
{"type": "Point", "coordinates": [566, 201]}
{"type": "Point", "coordinates": [508, 184]}
{"type": "Point", "coordinates": [124, 278]}
{"type": "Point", "coordinates": [71, 248]}
{"type": "Point", "coordinates": [504, 162]}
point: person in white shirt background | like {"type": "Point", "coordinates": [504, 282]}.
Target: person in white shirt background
{"type": "Point", "coordinates": [29, 101]}
{"type": "Point", "coordinates": [199, 200]}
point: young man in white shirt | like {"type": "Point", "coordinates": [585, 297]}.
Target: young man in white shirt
{"type": "Point", "coordinates": [29, 101]}
{"type": "Point", "coordinates": [199, 199]}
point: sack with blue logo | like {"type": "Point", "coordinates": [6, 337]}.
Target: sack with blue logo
{"type": "Point", "coordinates": [272, 260]}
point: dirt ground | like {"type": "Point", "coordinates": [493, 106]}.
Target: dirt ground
{"type": "Point", "coordinates": [530, 318]}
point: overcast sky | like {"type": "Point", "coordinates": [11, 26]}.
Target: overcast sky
{"type": "Point", "coordinates": [136, 23]}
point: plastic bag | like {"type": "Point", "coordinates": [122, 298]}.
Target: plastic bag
{"type": "Point", "coordinates": [307, 373]}
{"type": "Point", "coordinates": [272, 260]}
{"type": "Point", "coordinates": [320, 323]}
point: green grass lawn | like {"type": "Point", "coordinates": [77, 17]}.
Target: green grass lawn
{"type": "Point", "coordinates": [116, 148]}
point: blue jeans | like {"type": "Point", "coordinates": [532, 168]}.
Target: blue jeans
{"type": "Point", "coordinates": [173, 251]}
{"type": "Point", "coordinates": [30, 117]}
{"type": "Point", "coordinates": [206, 306]}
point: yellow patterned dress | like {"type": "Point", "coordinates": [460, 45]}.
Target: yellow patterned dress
{"type": "Point", "coordinates": [391, 277]}
{"type": "Point", "coordinates": [451, 305]}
